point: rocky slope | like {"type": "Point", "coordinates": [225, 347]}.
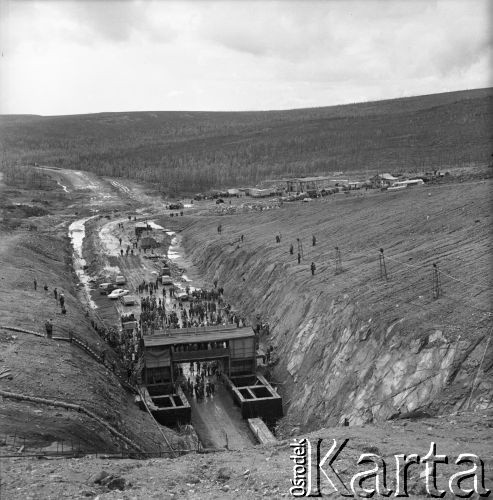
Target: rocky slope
{"type": "Point", "coordinates": [352, 347]}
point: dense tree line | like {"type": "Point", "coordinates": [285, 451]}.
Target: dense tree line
{"type": "Point", "coordinates": [194, 152]}
{"type": "Point", "coordinates": [26, 177]}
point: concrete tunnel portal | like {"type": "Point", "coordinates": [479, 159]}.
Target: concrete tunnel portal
{"type": "Point", "coordinates": [166, 357]}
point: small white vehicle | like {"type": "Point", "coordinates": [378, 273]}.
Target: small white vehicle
{"type": "Point", "coordinates": [119, 292]}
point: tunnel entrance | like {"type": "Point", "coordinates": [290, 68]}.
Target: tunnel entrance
{"type": "Point", "coordinates": [193, 375]}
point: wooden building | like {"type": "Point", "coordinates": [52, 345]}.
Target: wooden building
{"type": "Point", "coordinates": [235, 347]}
{"type": "Point", "coordinates": [304, 184]}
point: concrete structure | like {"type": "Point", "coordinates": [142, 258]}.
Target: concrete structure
{"type": "Point", "coordinates": [256, 397]}
{"type": "Point", "coordinates": [233, 347]}
{"type": "Point", "coordinates": [261, 431]}
{"type": "Point", "coordinates": [168, 409]}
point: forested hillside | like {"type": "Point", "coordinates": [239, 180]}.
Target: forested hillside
{"type": "Point", "coordinates": [194, 151]}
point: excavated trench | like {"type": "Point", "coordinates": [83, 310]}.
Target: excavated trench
{"type": "Point", "coordinates": [339, 361]}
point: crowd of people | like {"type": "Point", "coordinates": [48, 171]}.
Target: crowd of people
{"type": "Point", "coordinates": [202, 382]}
{"type": "Point", "coordinates": [202, 307]}
{"type": "Point", "coordinates": [153, 314]}
{"type": "Point", "coordinates": [131, 345]}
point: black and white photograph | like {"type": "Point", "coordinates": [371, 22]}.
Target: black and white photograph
{"type": "Point", "coordinates": [245, 249]}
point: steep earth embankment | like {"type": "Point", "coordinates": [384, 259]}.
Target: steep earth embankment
{"type": "Point", "coordinates": [52, 369]}
{"type": "Point", "coordinates": [353, 346]}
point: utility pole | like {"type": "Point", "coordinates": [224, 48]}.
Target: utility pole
{"type": "Point", "coordinates": [437, 285]}
{"type": "Point", "coordinates": [338, 261]}
{"type": "Point", "coordinates": [383, 267]}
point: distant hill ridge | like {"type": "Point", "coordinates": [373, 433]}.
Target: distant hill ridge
{"type": "Point", "coordinates": [194, 151]}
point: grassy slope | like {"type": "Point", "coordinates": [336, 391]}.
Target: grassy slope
{"type": "Point", "coordinates": [426, 132]}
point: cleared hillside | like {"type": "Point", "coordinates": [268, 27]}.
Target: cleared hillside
{"type": "Point", "coordinates": [194, 151]}
{"type": "Point", "coordinates": [353, 345]}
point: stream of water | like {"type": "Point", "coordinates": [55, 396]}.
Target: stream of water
{"type": "Point", "coordinates": [63, 186]}
{"type": "Point", "coordinates": [77, 232]}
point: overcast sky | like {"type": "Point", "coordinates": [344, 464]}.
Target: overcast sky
{"type": "Point", "coordinates": [65, 57]}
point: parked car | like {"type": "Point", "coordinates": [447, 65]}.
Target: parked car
{"type": "Point", "coordinates": [219, 200]}
{"type": "Point", "coordinates": [117, 293]}
{"type": "Point", "coordinates": [128, 300]}
{"type": "Point", "coordinates": [120, 280]}
{"type": "Point", "coordinates": [166, 280]}
{"type": "Point", "coordinates": [106, 288]}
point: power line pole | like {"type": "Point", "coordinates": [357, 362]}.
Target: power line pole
{"type": "Point", "coordinates": [383, 267]}
{"type": "Point", "coordinates": [437, 285]}
{"type": "Point", "coordinates": [338, 261]}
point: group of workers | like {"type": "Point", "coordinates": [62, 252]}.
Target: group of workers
{"type": "Point", "coordinates": [278, 238]}
{"type": "Point", "coordinates": [59, 299]}
{"type": "Point", "coordinates": [202, 307]}
{"type": "Point", "coordinates": [130, 348]}
{"type": "Point", "coordinates": [313, 267]}
{"type": "Point", "coordinates": [201, 384]}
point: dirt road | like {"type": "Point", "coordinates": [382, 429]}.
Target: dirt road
{"type": "Point", "coordinates": [216, 420]}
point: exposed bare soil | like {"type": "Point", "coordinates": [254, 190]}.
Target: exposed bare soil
{"type": "Point", "coordinates": [261, 472]}
{"type": "Point", "coordinates": [354, 345]}
{"type": "Point", "coordinates": [314, 319]}
{"type": "Point", "coordinates": [54, 369]}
